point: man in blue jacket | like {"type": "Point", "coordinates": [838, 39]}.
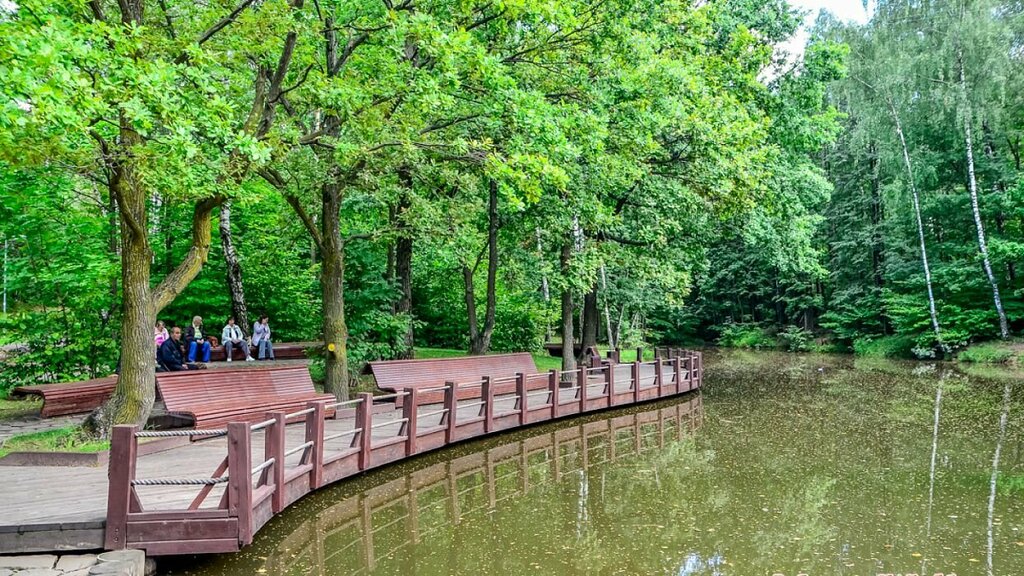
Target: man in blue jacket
{"type": "Point", "coordinates": [169, 357]}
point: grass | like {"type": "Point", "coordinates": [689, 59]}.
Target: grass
{"type": "Point", "coordinates": [990, 353]}
{"type": "Point", "coordinates": [10, 409]}
{"type": "Point", "coordinates": [67, 439]}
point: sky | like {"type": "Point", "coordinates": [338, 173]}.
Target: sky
{"type": "Point", "coordinates": [852, 10]}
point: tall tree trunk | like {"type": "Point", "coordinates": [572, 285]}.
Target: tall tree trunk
{"type": "Point", "coordinates": [480, 341]}
{"type": "Point", "coordinates": [1004, 329]}
{"type": "Point", "coordinates": [920, 224]}
{"type": "Point", "coordinates": [877, 217]}
{"type": "Point", "coordinates": [136, 385]}
{"type": "Point", "coordinates": [332, 284]}
{"type": "Point", "coordinates": [591, 318]}
{"type": "Point", "coordinates": [403, 269]}
{"type": "Point", "coordinates": [613, 340]}
{"type": "Point", "coordinates": [389, 266]}
{"type": "Point", "coordinates": [545, 290]}
{"type": "Point", "coordinates": [568, 332]}
{"type": "Point", "coordinates": [234, 271]}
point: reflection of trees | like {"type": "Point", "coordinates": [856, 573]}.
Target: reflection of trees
{"type": "Point", "coordinates": [1007, 389]}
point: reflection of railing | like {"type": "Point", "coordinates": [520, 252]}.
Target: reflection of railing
{"type": "Point", "coordinates": [352, 525]}
{"type": "Point", "coordinates": [176, 522]}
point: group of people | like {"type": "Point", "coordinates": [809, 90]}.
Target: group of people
{"type": "Point", "coordinates": [173, 354]}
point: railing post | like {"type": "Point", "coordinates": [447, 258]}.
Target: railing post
{"type": "Point", "coordinates": [451, 404]}
{"type": "Point", "coordinates": [636, 380]}
{"type": "Point", "coordinates": [315, 434]}
{"type": "Point", "coordinates": [240, 479]}
{"type": "Point", "coordinates": [553, 388]}
{"type": "Point", "coordinates": [659, 376]}
{"type": "Point", "coordinates": [523, 398]}
{"type": "Point", "coordinates": [409, 410]}
{"type": "Point", "coordinates": [581, 381]}
{"type": "Point", "coordinates": [609, 382]}
{"type": "Point", "coordinates": [487, 397]}
{"type": "Point", "coordinates": [618, 356]}
{"type": "Point", "coordinates": [273, 447]}
{"type": "Point", "coordinates": [639, 354]}
{"type": "Point", "coordinates": [677, 368]}
{"type": "Point", "coordinates": [700, 369]}
{"type": "Point", "coordinates": [120, 473]}
{"type": "Point", "coordinates": [364, 421]}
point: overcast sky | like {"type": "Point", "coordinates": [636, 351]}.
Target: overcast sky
{"type": "Point", "coordinates": [843, 9]}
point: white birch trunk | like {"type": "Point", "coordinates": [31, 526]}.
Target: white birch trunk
{"type": "Point", "coordinates": [1004, 330]}
{"type": "Point", "coordinates": [920, 224]}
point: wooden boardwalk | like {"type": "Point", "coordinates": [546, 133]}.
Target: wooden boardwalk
{"type": "Point", "coordinates": [50, 508]}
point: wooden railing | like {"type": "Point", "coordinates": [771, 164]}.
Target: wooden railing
{"type": "Point", "coordinates": [250, 493]}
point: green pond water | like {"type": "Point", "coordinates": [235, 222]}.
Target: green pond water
{"type": "Point", "coordinates": [783, 464]}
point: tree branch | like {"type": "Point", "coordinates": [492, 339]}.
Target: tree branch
{"type": "Point", "coordinates": [193, 262]}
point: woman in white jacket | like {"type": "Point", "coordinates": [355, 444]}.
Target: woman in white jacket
{"type": "Point", "coordinates": [261, 339]}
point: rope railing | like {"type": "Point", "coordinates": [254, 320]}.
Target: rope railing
{"type": "Point", "coordinates": [176, 433]}
{"type": "Point", "coordinates": [299, 413]}
{"type": "Point", "coordinates": [261, 425]}
{"type": "Point", "coordinates": [266, 464]}
{"type": "Point", "coordinates": [344, 403]}
{"type": "Point", "coordinates": [433, 413]}
{"type": "Point", "coordinates": [179, 481]}
{"type": "Point", "coordinates": [341, 434]}
{"type": "Point", "coordinates": [434, 389]}
{"type": "Point", "coordinates": [299, 448]}
{"type": "Point", "coordinates": [389, 396]}
{"type": "Point", "coordinates": [388, 423]}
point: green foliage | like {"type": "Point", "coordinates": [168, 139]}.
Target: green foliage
{"type": "Point", "coordinates": [746, 336]}
{"type": "Point", "coordinates": [796, 339]}
{"type": "Point", "coordinates": [988, 353]}
{"type": "Point", "coordinates": [885, 347]}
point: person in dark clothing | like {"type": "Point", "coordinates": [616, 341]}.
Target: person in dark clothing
{"type": "Point", "coordinates": [170, 357]}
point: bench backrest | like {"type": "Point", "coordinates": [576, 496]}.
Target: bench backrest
{"type": "Point", "coordinates": [394, 375]}
{"type": "Point", "coordinates": [190, 390]}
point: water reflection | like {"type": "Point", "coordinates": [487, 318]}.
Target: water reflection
{"type": "Point", "coordinates": [785, 465]}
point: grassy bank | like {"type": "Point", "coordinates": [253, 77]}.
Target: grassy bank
{"type": "Point", "coordinates": [67, 439]}
{"type": "Point", "coordinates": [1010, 352]}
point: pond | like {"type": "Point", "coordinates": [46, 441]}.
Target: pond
{"type": "Point", "coordinates": [784, 464]}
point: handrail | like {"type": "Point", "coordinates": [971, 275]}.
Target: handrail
{"type": "Point", "coordinates": [340, 434]}
{"type": "Point", "coordinates": [173, 433]}
{"type": "Point", "coordinates": [266, 464]}
{"type": "Point", "coordinates": [389, 423]}
{"type": "Point", "coordinates": [249, 505]}
{"type": "Point", "coordinates": [344, 403]}
{"type": "Point", "coordinates": [390, 396]}
{"type": "Point", "coordinates": [261, 425]}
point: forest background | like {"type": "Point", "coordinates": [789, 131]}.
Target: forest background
{"type": "Point", "coordinates": [491, 175]}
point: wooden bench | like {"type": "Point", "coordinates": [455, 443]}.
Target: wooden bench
{"type": "Point", "coordinates": [282, 351]}
{"type": "Point", "coordinates": [212, 398]}
{"type": "Point", "coordinates": [395, 375]}
{"type": "Point", "coordinates": [70, 397]}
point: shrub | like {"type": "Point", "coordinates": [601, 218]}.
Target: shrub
{"type": "Point", "coordinates": [746, 336]}
{"type": "Point", "coordinates": [796, 339]}
{"type": "Point", "coordinates": [987, 353]}
{"type": "Point", "coordinates": [885, 347]}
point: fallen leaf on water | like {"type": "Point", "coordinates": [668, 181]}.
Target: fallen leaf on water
{"type": "Point", "coordinates": [916, 554]}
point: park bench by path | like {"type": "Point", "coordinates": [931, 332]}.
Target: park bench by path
{"type": "Point", "coordinates": [282, 351]}
{"type": "Point", "coordinates": [432, 373]}
{"type": "Point", "coordinates": [212, 398]}
{"type": "Point", "coordinates": [70, 397]}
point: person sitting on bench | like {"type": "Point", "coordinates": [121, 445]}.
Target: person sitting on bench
{"type": "Point", "coordinates": [232, 337]}
{"type": "Point", "coordinates": [169, 356]}
{"type": "Point", "coordinates": [195, 340]}
{"type": "Point", "coordinates": [261, 339]}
